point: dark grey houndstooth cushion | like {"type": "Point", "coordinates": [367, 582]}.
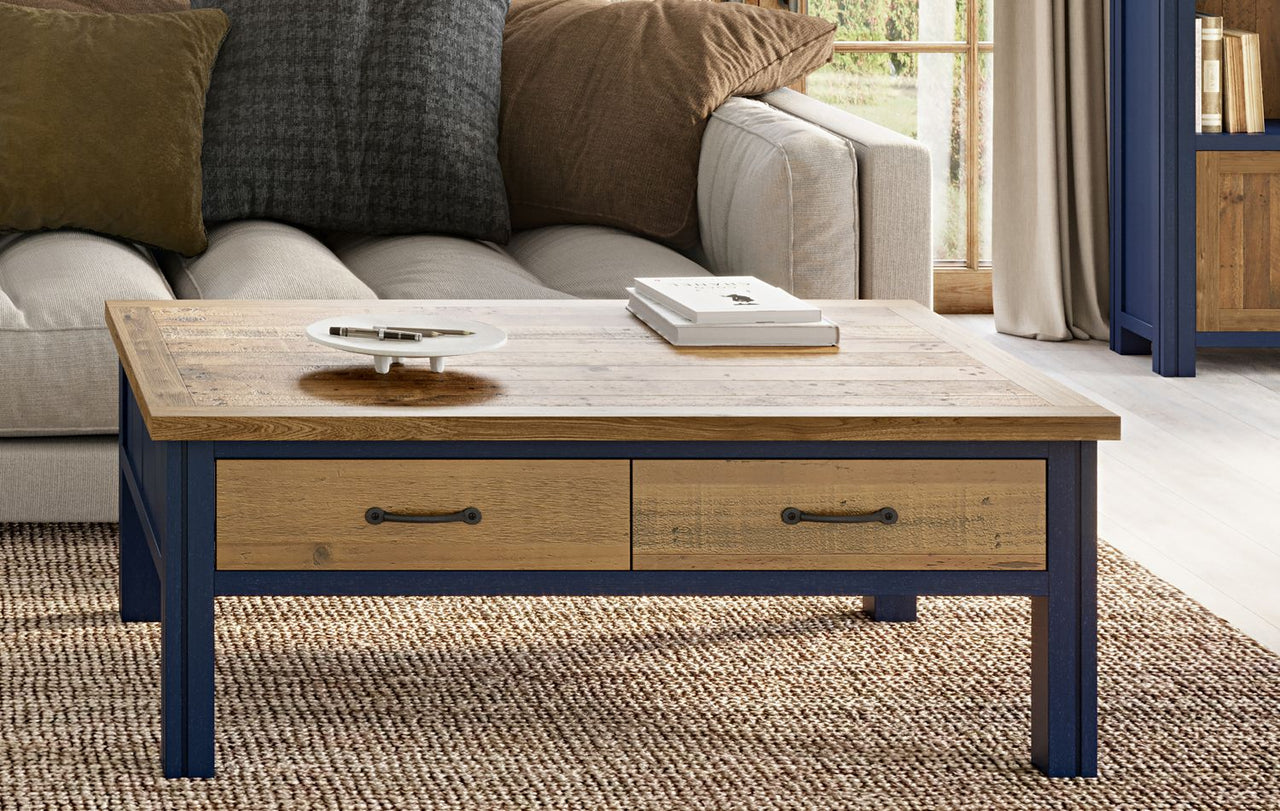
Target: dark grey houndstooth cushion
{"type": "Point", "coordinates": [371, 116]}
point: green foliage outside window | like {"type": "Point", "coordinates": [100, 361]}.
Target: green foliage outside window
{"type": "Point", "coordinates": [873, 20]}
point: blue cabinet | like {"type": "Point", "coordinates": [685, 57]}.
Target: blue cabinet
{"type": "Point", "coordinates": [1153, 186]}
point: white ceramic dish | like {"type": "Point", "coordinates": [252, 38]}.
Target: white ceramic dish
{"type": "Point", "coordinates": [385, 353]}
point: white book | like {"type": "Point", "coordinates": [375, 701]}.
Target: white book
{"type": "Point", "coordinates": [1199, 75]}
{"type": "Point", "coordinates": [682, 332]}
{"type": "Point", "coordinates": [728, 300]}
{"type": "Point", "coordinates": [1210, 73]}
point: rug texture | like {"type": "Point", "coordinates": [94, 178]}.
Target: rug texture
{"type": "Point", "coordinates": [603, 703]}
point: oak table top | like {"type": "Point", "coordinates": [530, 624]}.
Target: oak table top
{"type": "Point", "coordinates": [583, 370]}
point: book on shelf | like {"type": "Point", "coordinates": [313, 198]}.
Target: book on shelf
{"type": "Point", "coordinates": [680, 331]}
{"type": "Point", "coordinates": [1242, 81]}
{"type": "Point", "coordinates": [1199, 116]}
{"type": "Point", "coordinates": [1255, 101]}
{"type": "Point", "coordinates": [1210, 73]}
{"type": "Point", "coordinates": [727, 300]}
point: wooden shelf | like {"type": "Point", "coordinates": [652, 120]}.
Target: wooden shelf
{"type": "Point", "coordinates": [1238, 142]}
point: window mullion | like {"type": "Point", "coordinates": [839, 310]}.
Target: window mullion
{"type": "Point", "coordinates": [971, 50]}
{"type": "Point", "coordinates": [972, 125]}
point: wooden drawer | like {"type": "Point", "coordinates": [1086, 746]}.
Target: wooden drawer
{"type": "Point", "coordinates": [952, 514]}
{"type": "Point", "coordinates": [535, 514]}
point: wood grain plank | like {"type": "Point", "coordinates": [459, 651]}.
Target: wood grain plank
{"type": "Point", "coordinates": [961, 340]}
{"type": "Point", "coordinates": [862, 562]}
{"type": "Point", "coordinates": [1230, 241]}
{"type": "Point", "coordinates": [967, 514]}
{"type": "Point", "coordinates": [1207, 250]}
{"type": "Point", "coordinates": [146, 359]}
{"type": "Point", "coordinates": [1268, 28]}
{"type": "Point", "coordinates": [532, 514]}
{"type": "Point", "coordinates": [978, 425]}
{"type": "Point", "coordinates": [1273, 239]}
{"type": "Point", "coordinates": [655, 372]}
{"type": "Point", "coordinates": [1249, 162]}
{"type": "Point", "coordinates": [1250, 320]}
{"type": "Point", "coordinates": [1245, 11]}
{"type": "Point", "coordinates": [354, 386]}
{"type": "Point", "coordinates": [589, 370]}
{"type": "Point", "coordinates": [962, 291]}
{"type": "Point", "coordinates": [1256, 270]}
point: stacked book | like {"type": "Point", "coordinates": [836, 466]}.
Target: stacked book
{"type": "Point", "coordinates": [1228, 78]}
{"type": "Point", "coordinates": [728, 311]}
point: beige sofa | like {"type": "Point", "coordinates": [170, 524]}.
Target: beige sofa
{"type": "Point", "coordinates": [793, 191]}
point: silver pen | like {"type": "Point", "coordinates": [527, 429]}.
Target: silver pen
{"type": "Point", "coordinates": [381, 333]}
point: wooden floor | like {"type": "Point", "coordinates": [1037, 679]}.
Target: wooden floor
{"type": "Point", "coordinates": [1193, 490]}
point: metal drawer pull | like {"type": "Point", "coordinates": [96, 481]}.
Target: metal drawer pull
{"type": "Point", "coordinates": [377, 515]}
{"type": "Point", "coordinates": [884, 515]}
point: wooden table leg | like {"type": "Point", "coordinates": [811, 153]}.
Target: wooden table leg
{"type": "Point", "coordinates": [890, 607]}
{"type": "Point", "coordinates": [187, 617]}
{"type": "Point", "coordinates": [1064, 676]}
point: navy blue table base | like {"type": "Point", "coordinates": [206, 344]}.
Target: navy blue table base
{"type": "Point", "coordinates": [167, 571]}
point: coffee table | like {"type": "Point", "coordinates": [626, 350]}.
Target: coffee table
{"type": "Point", "coordinates": [590, 457]}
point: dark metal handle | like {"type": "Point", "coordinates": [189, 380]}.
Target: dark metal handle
{"type": "Point", "coordinates": [884, 515]}
{"type": "Point", "coordinates": [377, 515]}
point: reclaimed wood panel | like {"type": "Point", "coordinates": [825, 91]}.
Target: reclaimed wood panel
{"type": "Point", "coordinates": [1230, 242]}
{"type": "Point", "coordinates": [1273, 239]}
{"type": "Point", "coordinates": [1237, 241]}
{"type": "Point", "coordinates": [726, 514]}
{"type": "Point", "coordinates": [308, 514]}
{"type": "Point", "coordinates": [1207, 250]}
{"type": "Point", "coordinates": [1262, 16]}
{"type": "Point", "coordinates": [583, 370]}
{"type": "Point", "coordinates": [962, 292]}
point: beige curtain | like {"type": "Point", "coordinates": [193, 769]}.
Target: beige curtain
{"type": "Point", "coordinates": [1049, 203]}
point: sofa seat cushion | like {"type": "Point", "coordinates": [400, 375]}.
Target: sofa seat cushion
{"type": "Point", "coordinates": [591, 261]}
{"type": "Point", "coordinates": [256, 259]}
{"type": "Point", "coordinates": [437, 267]}
{"type": "Point", "coordinates": [57, 362]}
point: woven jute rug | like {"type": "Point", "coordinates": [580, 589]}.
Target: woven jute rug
{"type": "Point", "coordinates": [601, 703]}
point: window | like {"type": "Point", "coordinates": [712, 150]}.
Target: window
{"type": "Point", "coordinates": [916, 66]}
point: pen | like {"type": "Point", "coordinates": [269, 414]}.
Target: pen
{"type": "Point", "coordinates": [381, 333]}
{"type": "Point", "coordinates": [429, 330]}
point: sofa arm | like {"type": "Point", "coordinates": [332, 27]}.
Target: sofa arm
{"type": "Point", "coordinates": [777, 199]}
{"type": "Point", "coordinates": [894, 205]}
{"type": "Point", "coordinates": [815, 200]}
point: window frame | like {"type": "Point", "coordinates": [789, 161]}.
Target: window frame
{"type": "Point", "coordinates": [970, 292]}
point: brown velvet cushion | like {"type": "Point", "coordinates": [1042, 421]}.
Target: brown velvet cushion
{"type": "Point", "coordinates": [101, 119]}
{"type": "Point", "coordinates": [604, 104]}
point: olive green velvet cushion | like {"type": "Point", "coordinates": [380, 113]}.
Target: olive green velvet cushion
{"type": "Point", "coordinates": [101, 122]}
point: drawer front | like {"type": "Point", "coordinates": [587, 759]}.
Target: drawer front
{"type": "Point", "coordinates": [534, 514]}
{"type": "Point", "coordinates": [950, 514]}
